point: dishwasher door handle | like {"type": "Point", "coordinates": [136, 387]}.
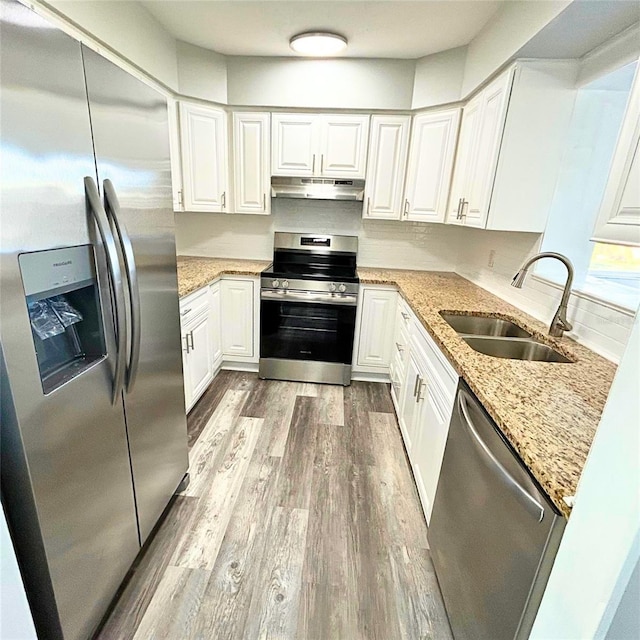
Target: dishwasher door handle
{"type": "Point", "coordinates": [523, 496]}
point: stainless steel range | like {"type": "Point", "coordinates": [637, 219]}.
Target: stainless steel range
{"type": "Point", "coordinates": [308, 301]}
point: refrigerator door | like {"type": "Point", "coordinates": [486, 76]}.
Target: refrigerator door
{"type": "Point", "coordinates": [131, 138]}
{"type": "Point", "coordinates": [66, 478]}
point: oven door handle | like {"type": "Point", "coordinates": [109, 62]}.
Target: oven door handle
{"type": "Point", "coordinates": [315, 298]}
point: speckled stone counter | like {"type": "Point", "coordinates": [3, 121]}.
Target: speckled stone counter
{"type": "Point", "coordinates": [195, 272]}
{"type": "Point", "coordinates": [549, 412]}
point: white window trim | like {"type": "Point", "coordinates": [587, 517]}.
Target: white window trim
{"type": "Point", "coordinates": [587, 296]}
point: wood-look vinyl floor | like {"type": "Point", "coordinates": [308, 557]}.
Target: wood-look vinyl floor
{"type": "Point", "coordinates": [301, 522]}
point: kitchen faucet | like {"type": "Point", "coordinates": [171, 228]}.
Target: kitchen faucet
{"type": "Point", "coordinates": [559, 324]}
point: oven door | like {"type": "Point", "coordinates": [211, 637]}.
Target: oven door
{"type": "Point", "coordinates": [297, 325]}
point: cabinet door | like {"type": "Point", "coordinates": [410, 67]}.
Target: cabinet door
{"type": "Point", "coordinates": [251, 174]}
{"type": "Point", "coordinates": [377, 327]}
{"type": "Point", "coordinates": [237, 317]}
{"type": "Point", "coordinates": [215, 324]}
{"type": "Point", "coordinates": [432, 427]}
{"type": "Point", "coordinates": [199, 358]}
{"type": "Point", "coordinates": [343, 146]}
{"type": "Point", "coordinates": [386, 167]}
{"type": "Point", "coordinates": [188, 393]}
{"type": "Point", "coordinates": [619, 218]}
{"type": "Point", "coordinates": [495, 99]}
{"type": "Point", "coordinates": [294, 144]}
{"type": "Point", "coordinates": [466, 155]}
{"type": "Point", "coordinates": [409, 406]}
{"type": "Point", "coordinates": [203, 140]}
{"type": "Point", "coordinates": [433, 144]}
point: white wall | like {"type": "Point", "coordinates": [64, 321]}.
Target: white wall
{"type": "Point", "coordinates": [201, 73]}
{"type": "Point", "coordinates": [392, 244]}
{"type": "Point", "coordinates": [603, 328]}
{"type": "Point", "coordinates": [512, 26]}
{"type": "Point", "coordinates": [128, 29]}
{"type": "Point", "coordinates": [438, 78]}
{"type": "Point", "coordinates": [601, 543]}
{"type": "Point", "coordinates": [345, 83]}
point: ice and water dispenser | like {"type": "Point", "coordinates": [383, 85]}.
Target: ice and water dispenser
{"type": "Point", "coordinates": [63, 300]}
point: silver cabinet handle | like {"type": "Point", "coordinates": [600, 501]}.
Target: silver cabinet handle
{"type": "Point", "coordinates": [458, 211]}
{"type": "Point", "coordinates": [112, 208]}
{"type": "Point", "coordinates": [406, 208]}
{"type": "Point", "coordinates": [399, 347]}
{"type": "Point", "coordinates": [421, 386]}
{"type": "Point", "coordinates": [113, 263]}
{"type": "Point", "coordinates": [321, 163]}
{"type": "Point", "coordinates": [368, 206]}
{"type": "Point", "coordinates": [223, 200]}
{"type": "Point", "coordinates": [190, 335]}
{"type": "Point", "coordinates": [264, 201]}
{"type": "Point", "coordinates": [415, 386]}
{"type": "Point", "coordinates": [185, 312]}
{"type": "Point", "coordinates": [523, 496]}
{"type": "Point", "coordinates": [186, 343]}
{"type": "Point", "coordinates": [313, 166]}
{"type": "Point", "coordinates": [404, 315]}
{"type": "Point", "coordinates": [180, 199]}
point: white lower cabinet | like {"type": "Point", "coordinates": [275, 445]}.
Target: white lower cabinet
{"type": "Point", "coordinates": [237, 317]}
{"type": "Point", "coordinates": [375, 328]}
{"type": "Point", "coordinates": [197, 354]}
{"type": "Point", "coordinates": [423, 390]}
{"type": "Point", "coordinates": [217, 323]}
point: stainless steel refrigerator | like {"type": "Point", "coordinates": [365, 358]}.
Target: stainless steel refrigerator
{"type": "Point", "coordinates": [94, 440]}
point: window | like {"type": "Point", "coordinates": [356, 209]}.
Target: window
{"type": "Point", "coordinates": [608, 272]}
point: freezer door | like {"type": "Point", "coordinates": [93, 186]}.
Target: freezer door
{"type": "Point", "coordinates": [131, 138]}
{"type": "Point", "coordinates": [64, 453]}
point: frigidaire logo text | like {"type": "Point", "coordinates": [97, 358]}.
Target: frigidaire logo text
{"type": "Point", "coordinates": [62, 264]}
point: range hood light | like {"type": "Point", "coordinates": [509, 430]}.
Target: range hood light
{"type": "Point", "coordinates": [318, 43]}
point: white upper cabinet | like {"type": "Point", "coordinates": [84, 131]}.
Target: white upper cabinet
{"type": "Point", "coordinates": [482, 127]}
{"type": "Point", "coordinates": [343, 146]}
{"type": "Point", "coordinates": [332, 146]}
{"type": "Point", "coordinates": [386, 167]}
{"type": "Point", "coordinates": [619, 218]}
{"type": "Point", "coordinates": [203, 137]}
{"type": "Point", "coordinates": [512, 139]}
{"type": "Point", "coordinates": [433, 145]}
{"type": "Point", "coordinates": [251, 174]}
{"type": "Point", "coordinates": [294, 142]}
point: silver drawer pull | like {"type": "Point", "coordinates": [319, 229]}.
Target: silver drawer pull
{"type": "Point", "coordinates": [421, 386]}
{"type": "Point", "coordinates": [415, 386]}
{"type": "Point", "coordinates": [184, 313]}
{"type": "Point", "coordinates": [399, 347]}
{"type": "Point", "coordinates": [405, 315]}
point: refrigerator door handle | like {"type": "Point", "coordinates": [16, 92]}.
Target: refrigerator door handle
{"type": "Point", "coordinates": [112, 207]}
{"type": "Point", "coordinates": [523, 496]}
{"type": "Point", "coordinates": [113, 263]}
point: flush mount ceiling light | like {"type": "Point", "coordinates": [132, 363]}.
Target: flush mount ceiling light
{"type": "Point", "coordinates": [318, 43]}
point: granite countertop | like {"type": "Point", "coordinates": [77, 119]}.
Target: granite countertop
{"type": "Point", "coordinates": [195, 272]}
{"type": "Point", "coordinates": [549, 412]}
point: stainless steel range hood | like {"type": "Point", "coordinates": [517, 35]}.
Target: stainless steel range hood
{"type": "Point", "coordinates": [317, 188]}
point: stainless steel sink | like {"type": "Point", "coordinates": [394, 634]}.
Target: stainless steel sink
{"type": "Point", "coordinates": [480, 326]}
{"type": "Point", "coordinates": [515, 349]}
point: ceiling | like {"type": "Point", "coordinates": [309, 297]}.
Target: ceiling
{"type": "Point", "coordinates": [378, 29]}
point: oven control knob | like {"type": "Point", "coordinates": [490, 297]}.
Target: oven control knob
{"type": "Point", "coordinates": [332, 287]}
{"type": "Point", "coordinates": [275, 284]}
{"type": "Point", "coordinates": [342, 288]}
{"type": "Point", "coordinates": [285, 284]}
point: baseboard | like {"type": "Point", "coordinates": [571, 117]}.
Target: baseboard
{"type": "Point", "coordinates": [240, 366]}
{"type": "Point", "coordinates": [363, 376]}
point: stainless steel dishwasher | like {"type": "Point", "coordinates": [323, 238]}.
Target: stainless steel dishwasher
{"type": "Point", "coordinates": [493, 534]}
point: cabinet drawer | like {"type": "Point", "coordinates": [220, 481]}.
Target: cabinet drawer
{"type": "Point", "coordinates": [193, 305]}
{"type": "Point", "coordinates": [444, 375]}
